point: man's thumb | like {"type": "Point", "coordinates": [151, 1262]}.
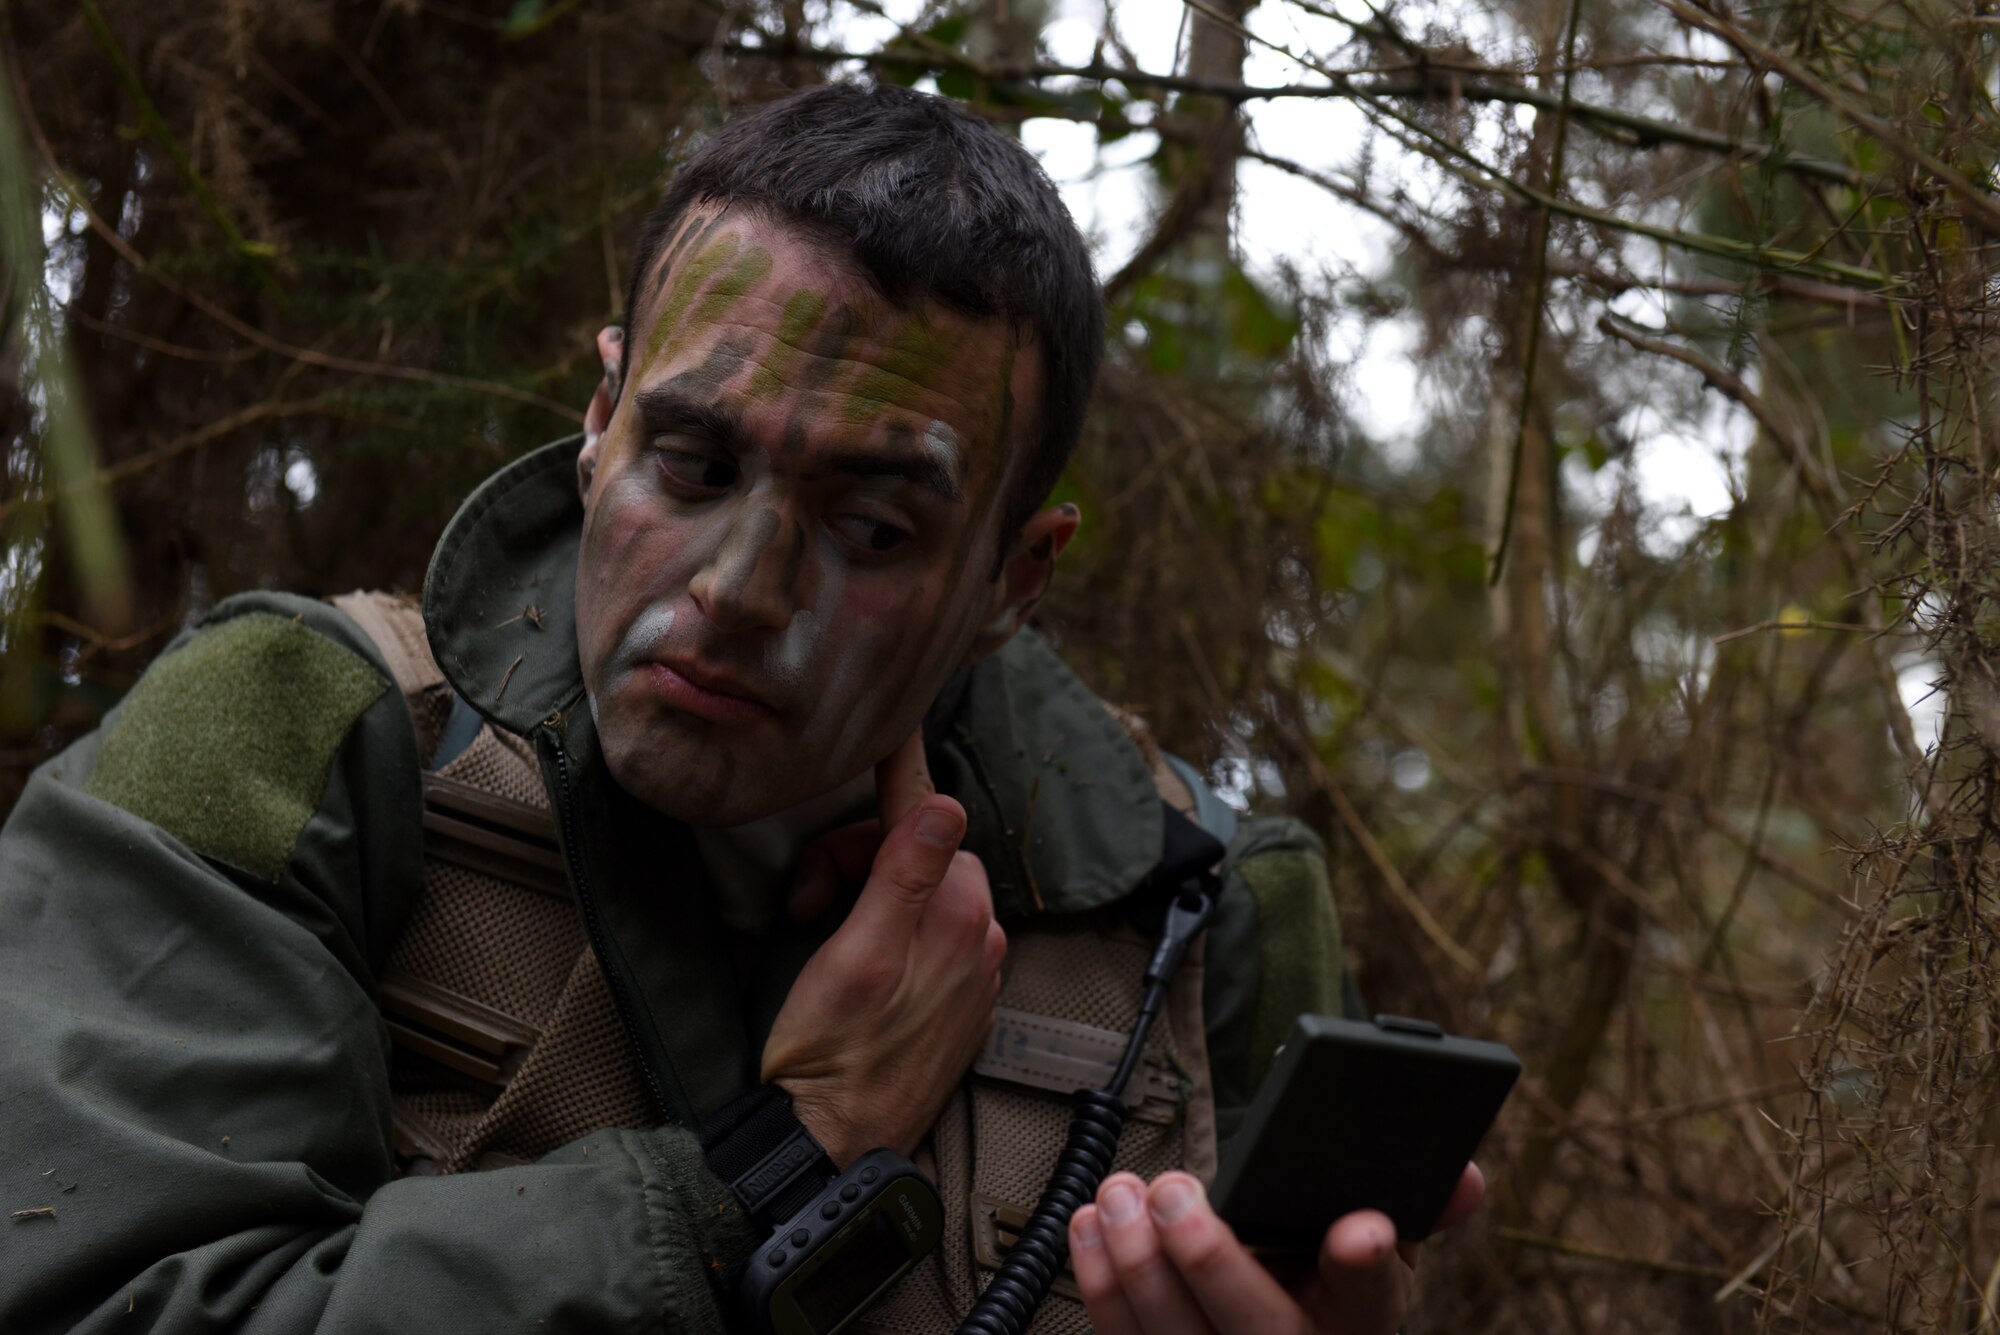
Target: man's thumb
{"type": "Point", "coordinates": [914, 858]}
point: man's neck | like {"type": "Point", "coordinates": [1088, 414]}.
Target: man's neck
{"type": "Point", "coordinates": [752, 865]}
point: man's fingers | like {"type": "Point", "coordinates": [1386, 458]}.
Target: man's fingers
{"type": "Point", "coordinates": [902, 780]}
{"type": "Point", "coordinates": [1235, 1291]}
{"type": "Point", "coordinates": [1158, 1297]}
{"type": "Point", "coordinates": [1362, 1286]}
{"type": "Point", "coordinates": [1465, 1197]}
{"type": "Point", "coordinates": [1110, 1313]}
{"type": "Point", "coordinates": [915, 855]}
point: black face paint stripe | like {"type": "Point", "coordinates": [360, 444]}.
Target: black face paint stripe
{"type": "Point", "coordinates": [795, 560]}
{"type": "Point", "coordinates": [698, 227]}
{"type": "Point", "coordinates": [755, 532]}
{"type": "Point", "coordinates": [811, 374]}
{"type": "Point", "coordinates": [717, 369]}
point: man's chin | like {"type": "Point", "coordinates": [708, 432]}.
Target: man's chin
{"type": "Point", "coordinates": [701, 780]}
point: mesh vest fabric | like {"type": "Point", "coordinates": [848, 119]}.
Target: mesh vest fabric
{"type": "Point", "coordinates": [995, 1143]}
{"type": "Point", "coordinates": [518, 951]}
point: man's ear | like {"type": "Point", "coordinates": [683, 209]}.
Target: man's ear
{"type": "Point", "coordinates": [603, 403]}
{"type": "Point", "coordinates": [1024, 576]}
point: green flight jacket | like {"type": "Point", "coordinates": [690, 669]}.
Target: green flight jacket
{"type": "Point", "coordinates": [195, 900]}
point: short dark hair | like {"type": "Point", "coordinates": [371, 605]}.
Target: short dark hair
{"type": "Point", "coordinates": [934, 203]}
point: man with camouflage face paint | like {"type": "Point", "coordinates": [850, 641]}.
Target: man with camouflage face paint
{"type": "Point", "coordinates": [743, 675]}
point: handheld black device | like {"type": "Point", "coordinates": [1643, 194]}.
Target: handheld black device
{"type": "Point", "coordinates": [1359, 1116]}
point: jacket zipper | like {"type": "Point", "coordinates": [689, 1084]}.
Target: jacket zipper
{"type": "Point", "coordinates": [593, 928]}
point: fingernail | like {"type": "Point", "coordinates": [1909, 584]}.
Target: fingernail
{"type": "Point", "coordinates": [1172, 1199]}
{"type": "Point", "coordinates": [1120, 1203]}
{"type": "Point", "coordinates": [938, 827]}
{"type": "Point", "coordinates": [1084, 1232]}
{"type": "Point", "coordinates": [616, 335]}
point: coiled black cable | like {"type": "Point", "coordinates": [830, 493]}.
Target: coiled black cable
{"type": "Point", "coordinates": [1023, 1280]}
{"type": "Point", "coordinates": [1010, 1300]}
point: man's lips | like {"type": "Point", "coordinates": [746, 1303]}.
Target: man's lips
{"type": "Point", "coordinates": [696, 688]}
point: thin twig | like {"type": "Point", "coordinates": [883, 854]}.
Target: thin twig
{"type": "Point", "coordinates": [1810, 624]}
{"type": "Point", "coordinates": [1544, 1243]}
{"type": "Point", "coordinates": [1537, 291]}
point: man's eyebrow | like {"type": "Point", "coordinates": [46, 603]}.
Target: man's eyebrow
{"type": "Point", "coordinates": [665, 408]}
{"type": "Point", "coordinates": [917, 467]}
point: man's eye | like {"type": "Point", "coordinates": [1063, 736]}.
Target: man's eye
{"type": "Point", "coordinates": [696, 472]}
{"type": "Point", "coordinates": [870, 534]}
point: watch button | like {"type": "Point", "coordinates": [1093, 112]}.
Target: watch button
{"type": "Point", "coordinates": [850, 1193]}
{"type": "Point", "coordinates": [831, 1210]}
{"type": "Point", "coordinates": [800, 1237]}
{"type": "Point", "coordinates": [870, 1174]}
{"type": "Point", "coordinates": [777, 1257]}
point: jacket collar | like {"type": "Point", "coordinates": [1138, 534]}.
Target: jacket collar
{"type": "Point", "coordinates": [1060, 804]}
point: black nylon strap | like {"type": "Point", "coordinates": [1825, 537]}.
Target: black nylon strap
{"type": "Point", "coordinates": [770, 1161]}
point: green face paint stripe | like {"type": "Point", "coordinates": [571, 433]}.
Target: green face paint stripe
{"type": "Point", "coordinates": [828, 344]}
{"type": "Point", "coordinates": [744, 275]}
{"type": "Point", "coordinates": [825, 346]}
{"type": "Point", "coordinates": [686, 286]}
{"type": "Point", "coordinates": [802, 315]}
{"type": "Point", "coordinates": [698, 227]}
{"type": "Point", "coordinates": [915, 354]}
{"type": "Point", "coordinates": [726, 291]}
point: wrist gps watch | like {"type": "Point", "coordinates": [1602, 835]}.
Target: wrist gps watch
{"type": "Point", "coordinates": [837, 1238]}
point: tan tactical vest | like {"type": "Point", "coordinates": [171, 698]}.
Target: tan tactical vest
{"type": "Point", "coordinates": [507, 1044]}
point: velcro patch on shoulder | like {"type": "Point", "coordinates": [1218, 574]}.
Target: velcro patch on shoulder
{"type": "Point", "coordinates": [226, 742]}
{"type": "Point", "coordinates": [1300, 934]}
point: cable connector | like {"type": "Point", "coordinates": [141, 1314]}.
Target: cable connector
{"type": "Point", "coordinates": [1186, 916]}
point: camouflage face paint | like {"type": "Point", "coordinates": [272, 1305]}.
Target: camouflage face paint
{"type": "Point", "coordinates": [823, 349]}
{"type": "Point", "coordinates": [732, 287]}
{"type": "Point", "coordinates": [915, 356]}
{"type": "Point", "coordinates": [687, 284]}
{"type": "Point", "coordinates": [942, 442]}
{"type": "Point", "coordinates": [742, 552]}
{"type": "Point", "coordinates": [691, 236]}
{"type": "Point", "coordinates": [795, 559]}
{"type": "Point", "coordinates": [681, 318]}
{"type": "Point", "coordinates": [802, 315]}
{"type": "Point", "coordinates": [844, 646]}
{"type": "Point", "coordinates": [717, 369]}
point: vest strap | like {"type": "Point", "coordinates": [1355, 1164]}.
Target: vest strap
{"type": "Point", "coordinates": [763, 1151]}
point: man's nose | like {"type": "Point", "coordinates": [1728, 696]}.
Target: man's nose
{"type": "Point", "coordinates": [751, 580]}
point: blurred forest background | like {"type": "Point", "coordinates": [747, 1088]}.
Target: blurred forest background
{"type": "Point", "coordinates": [1695, 807]}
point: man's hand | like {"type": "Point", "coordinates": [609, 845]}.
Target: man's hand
{"type": "Point", "coordinates": [886, 1016]}
{"type": "Point", "coordinates": [1158, 1261]}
